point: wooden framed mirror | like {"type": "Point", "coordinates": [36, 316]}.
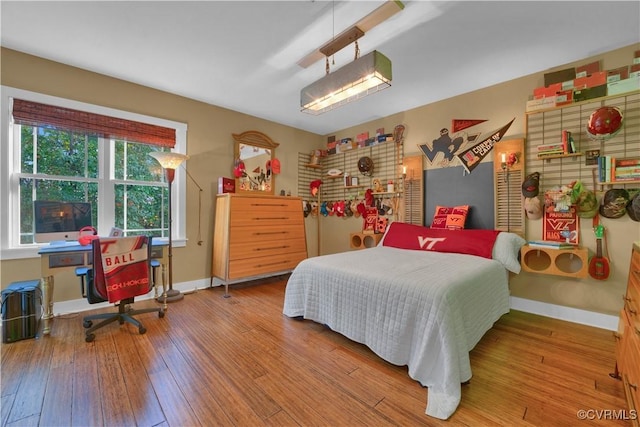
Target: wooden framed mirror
{"type": "Point", "coordinates": [256, 151]}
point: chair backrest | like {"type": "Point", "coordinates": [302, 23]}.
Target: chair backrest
{"type": "Point", "coordinates": [120, 267]}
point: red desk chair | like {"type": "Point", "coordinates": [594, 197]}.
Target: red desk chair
{"type": "Point", "coordinates": [121, 271]}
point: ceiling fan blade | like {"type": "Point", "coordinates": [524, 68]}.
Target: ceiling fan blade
{"type": "Point", "coordinates": [379, 15]}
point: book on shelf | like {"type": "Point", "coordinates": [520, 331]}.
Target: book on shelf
{"type": "Point", "coordinates": [547, 244]}
{"type": "Point", "coordinates": [627, 178]}
{"type": "Point", "coordinates": [565, 140]}
{"type": "Point", "coordinates": [572, 145]}
{"type": "Point", "coordinates": [627, 162]}
{"type": "Point", "coordinates": [611, 169]}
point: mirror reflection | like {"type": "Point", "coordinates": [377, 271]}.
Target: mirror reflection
{"type": "Point", "coordinates": [257, 168]}
{"type": "Point", "coordinates": [254, 153]}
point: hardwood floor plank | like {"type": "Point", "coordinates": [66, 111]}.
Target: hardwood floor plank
{"type": "Point", "coordinates": [16, 352]}
{"type": "Point", "coordinates": [33, 381]}
{"type": "Point", "coordinates": [116, 408]}
{"type": "Point", "coordinates": [58, 399]}
{"type": "Point", "coordinates": [146, 408]}
{"type": "Point", "coordinates": [6, 402]}
{"type": "Point", "coordinates": [240, 362]}
{"type": "Point", "coordinates": [210, 379]}
{"type": "Point", "coordinates": [87, 405]}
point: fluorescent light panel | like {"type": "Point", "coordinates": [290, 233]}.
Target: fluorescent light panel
{"type": "Point", "coordinates": [364, 76]}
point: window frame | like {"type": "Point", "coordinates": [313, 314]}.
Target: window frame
{"type": "Point", "coordinates": [10, 247]}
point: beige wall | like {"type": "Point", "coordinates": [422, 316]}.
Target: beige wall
{"type": "Point", "coordinates": [498, 105]}
{"type": "Point", "coordinates": [209, 145]}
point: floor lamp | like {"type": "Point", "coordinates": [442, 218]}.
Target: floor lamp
{"type": "Point", "coordinates": [169, 162]}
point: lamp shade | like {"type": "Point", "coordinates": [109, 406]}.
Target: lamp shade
{"type": "Point", "coordinates": [167, 159]}
{"type": "Point", "coordinates": [368, 74]}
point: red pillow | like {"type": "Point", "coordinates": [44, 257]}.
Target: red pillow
{"type": "Point", "coordinates": [451, 218]}
{"type": "Point", "coordinates": [415, 237]}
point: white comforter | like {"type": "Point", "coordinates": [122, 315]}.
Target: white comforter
{"type": "Point", "coordinates": [426, 310]}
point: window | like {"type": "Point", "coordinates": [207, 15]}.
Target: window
{"type": "Point", "coordinates": [125, 185]}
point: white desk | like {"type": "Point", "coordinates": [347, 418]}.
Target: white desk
{"type": "Point", "coordinates": [70, 255]}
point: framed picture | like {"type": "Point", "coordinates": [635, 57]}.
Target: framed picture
{"type": "Point", "coordinates": [562, 226]}
{"type": "Point", "coordinates": [591, 157]}
{"type": "Point", "coordinates": [354, 181]}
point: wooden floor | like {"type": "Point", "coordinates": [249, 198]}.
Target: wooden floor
{"type": "Point", "coordinates": [238, 361]}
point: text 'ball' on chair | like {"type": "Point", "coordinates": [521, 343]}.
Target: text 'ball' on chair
{"type": "Point", "coordinates": [121, 271]}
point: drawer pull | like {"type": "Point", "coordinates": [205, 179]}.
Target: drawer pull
{"type": "Point", "coordinates": [277, 218]}
{"type": "Point", "coordinates": [269, 204]}
{"type": "Point", "coordinates": [634, 386]}
{"type": "Point", "coordinates": [628, 308]}
{"type": "Point", "coordinates": [266, 233]}
{"type": "Point", "coordinates": [272, 247]}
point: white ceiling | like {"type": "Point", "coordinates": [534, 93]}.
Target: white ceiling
{"type": "Point", "coordinates": [242, 55]}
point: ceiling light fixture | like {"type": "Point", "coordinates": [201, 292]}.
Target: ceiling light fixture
{"type": "Point", "coordinates": [364, 76]}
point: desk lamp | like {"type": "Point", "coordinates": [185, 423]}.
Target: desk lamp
{"type": "Point", "coordinates": [169, 162]}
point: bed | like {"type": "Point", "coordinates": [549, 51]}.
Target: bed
{"type": "Point", "coordinates": [413, 300]}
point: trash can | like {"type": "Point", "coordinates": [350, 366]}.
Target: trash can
{"type": "Point", "coordinates": [21, 310]}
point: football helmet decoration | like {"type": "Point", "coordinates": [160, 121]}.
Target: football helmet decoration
{"type": "Point", "coordinates": [604, 123]}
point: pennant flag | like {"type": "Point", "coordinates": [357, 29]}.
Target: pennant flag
{"type": "Point", "coordinates": [459, 124]}
{"type": "Point", "coordinates": [474, 155]}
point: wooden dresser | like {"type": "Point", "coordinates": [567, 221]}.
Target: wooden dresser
{"type": "Point", "coordinates": [628, 336]}
{"type": "Point", "coordinates": [257, 236]}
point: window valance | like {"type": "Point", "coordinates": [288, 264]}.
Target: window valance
{"type": "Point", "coordinates": [43, 115]}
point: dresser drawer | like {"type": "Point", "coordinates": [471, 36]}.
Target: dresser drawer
{"type": "Point", "coordinates": [246, 268]}
{"type": "Point", "coordinates": [632, 301]}
{"type": "Point", "coordinates": [633, 282]}
{"type": "Point", "coordinates": [266, 249]}
{"type": "Point", "coordinates": [624, 328]}
{"type": "Point", "coordinates": [260, 219]}
{"type": "Point", "coordinates": [276, 204]}
{"type": "Point", "coordinates": [265, 233]}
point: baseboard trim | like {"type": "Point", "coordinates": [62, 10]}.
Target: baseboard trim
{"type": "Point", "coordinates": [575, 315]}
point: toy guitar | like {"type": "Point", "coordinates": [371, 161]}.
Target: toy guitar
{"type": "Point", "coordinates": [599, 265]}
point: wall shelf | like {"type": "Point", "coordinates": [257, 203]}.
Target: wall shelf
{"type": "Point", "coordinates": [387, 160]}
{"type": "Point", "coordinates": [386, 193]}
{"type": "Point", "coordinates": [559, 156]}
{"type": "Point", "coordinates": [363, 241]}
{"type": "Point", "coordinates": [557, 262]}
{"type": "Point", "coordinates": [546, 126]}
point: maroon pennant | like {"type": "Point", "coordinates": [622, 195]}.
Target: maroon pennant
{"type": "Point", "coordinates": [459, 124]}
{"type": "Point", "coordinates": [474, 155]}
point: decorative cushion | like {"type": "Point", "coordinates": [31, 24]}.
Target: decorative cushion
{"type": "Point", "coordinates": [452, 218]}
{"type": "Point", "coordinates": [501, 246]}
{"type": "Point", "coordinates": [415, 237]}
